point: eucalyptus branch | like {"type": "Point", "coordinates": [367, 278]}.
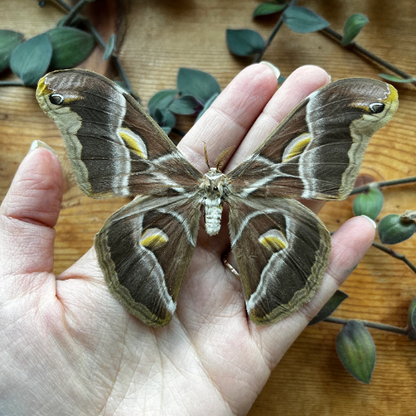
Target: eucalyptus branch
{"type": "Point", "coordinates": [355, 47]}
{"type": "Point", "coordinates": [100, 40]}
{"type": "Point", "coordinates": [396, 255]}
{"type": "Point", "coordinates": [365, 188]}
{"type": "Point", "coordinates": [276, 28]}
{"type": "Point", "coordinates": [375, 325]}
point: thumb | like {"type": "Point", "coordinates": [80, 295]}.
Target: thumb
{"type": "Point", "coordinates": [27, 217]}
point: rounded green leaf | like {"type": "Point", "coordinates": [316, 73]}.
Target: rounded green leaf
{"type": "Point", "coordinates": [352, 27]}
{"type": "Point", "coordinates": [162, 99]}
{"type": "Point", "coordinates": [9, 41]}
{"type": "Point", "coordinates": [329, 308]}
{"type": "Point", "coordinates": [167, 130]}
{"type": "Point", "coordinates": [394, 229]}
{"type": "Point", "coordinates": [264, 9]}
{"type": "Point", "coordinates": [394, 78]}
{"type": "Point", "coordinates": [244, 42]}
{"type": "Point", "coordinates": [368, 203]}
{"type": "Point", "coordinates": [185, 105]}
{"type": "Point", "coordinates": [110, 47]}
{"type": "Point", "coordinates": [164, 118]}
{"type": "Point", "coordinates": [411, 321]}
{"type": "Point", "coordinates": [70, 46]}
{"type": "Point", "coordinates": [207, 105]}
{"type": "Point", "coordinates": [199, 84]}
{"type": "Point", "coordinates": [303, 20]}
{"type": "Point", "coordinates": [356, 350]}
{"type": "Point", "coordinates": [30, 60]}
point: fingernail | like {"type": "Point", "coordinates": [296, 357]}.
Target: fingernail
{"type": "Point", "coordinates": [369, 219]}
{"type": "Point", "coordinates": [38, 143]}
{"type": "Point", "coordinates": [275, 70]}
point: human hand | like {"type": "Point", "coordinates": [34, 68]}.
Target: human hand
{"type": "Point", "coordinates": [68, 347]}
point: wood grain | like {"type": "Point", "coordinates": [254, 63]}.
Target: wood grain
{"type": "Point", "coordinates": [163, 36]}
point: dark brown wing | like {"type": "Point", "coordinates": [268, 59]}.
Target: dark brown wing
{"type": "Point", "coordinates": [282, 251]}
{"type": "Point", "coordinates": [144, 250]}
{"type": "Point", "coordinates": [114, 146]}
{"type": "Point", "coordinates": [317, 150]}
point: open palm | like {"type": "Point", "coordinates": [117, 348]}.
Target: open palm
{"type": "Point", "coordinates": [69, 348]}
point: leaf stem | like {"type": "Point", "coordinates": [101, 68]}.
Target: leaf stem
{"type": "Point", "coordinates": [276, 28]}
{"type": "Point", "coordinates": [381, 184]}
{"type": "Point", "coordinates": [73, 12]}
{"type": "Point", "coordinates": [178, 132]}
{"type": "Point", "coordinates": [12, 84]}
{"type": "Point", "coordinates": [116, 60]}
{"type": "Point", "coordinates": [375, 325]}
{"type": "Point", "coordinates": [396, 255]}
{"type": "Point", "coordinates": [355, 47]}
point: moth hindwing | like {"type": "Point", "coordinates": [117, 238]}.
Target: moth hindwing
{"type": "Point", "coordinates": [281, 247]}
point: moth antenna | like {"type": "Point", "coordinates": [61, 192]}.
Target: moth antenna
{"type": "Point", "coordinates": [206, 155]}
{"type": "Point", "coordinates": [219, 162]}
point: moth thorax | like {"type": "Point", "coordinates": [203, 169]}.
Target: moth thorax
{"type": "Point", "coordinates": [214, 186]}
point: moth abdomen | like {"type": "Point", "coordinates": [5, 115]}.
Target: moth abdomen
{"type": "Point", "coordinates": [213, 214]}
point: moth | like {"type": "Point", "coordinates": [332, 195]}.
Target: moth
{"type": "Point", "coordinates": [280, 246]}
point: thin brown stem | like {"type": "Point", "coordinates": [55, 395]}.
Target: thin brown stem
{"type": "Point", "coordinates": [396, 255]}
{"type": "Point", "coordinates": [375, 325]}
{"type": "Point", "coordinates": [365, 188]}
{"type": "Point", "coordinates": [276, 28]}
{"type": "Point", "coordinates": [73, 12]}
{"type": "Point", "coordinates": [13, 84]}
{"type": "Point", "coordinates": [357, 48]}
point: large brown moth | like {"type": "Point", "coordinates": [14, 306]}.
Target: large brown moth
{"type": "Point", "coordinates": [281, 247]}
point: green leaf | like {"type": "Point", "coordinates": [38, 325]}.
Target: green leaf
{"type": "Point", "coordinates": [70, 46]}
{"type": "Point", "coordinates": [110, 47]}
{"type": "Point", "coordinates": [356, 350]}
{"type": "Point", "coordinates": [281, 79]}
{"type": "Point", "coordinates": [352, 27]}
{"type": "Point", "coordinates": [164, 118]}
{"type": "Point", "coordinates": [167, 130]}
{"type": "Point", "coordinates": [244, 42]}
{"type": "Point", "coordinates": [393, 78]}
{"type": "Point", "coordinates": [329, 308]}
{"type": "Point", "coordinates": [30, 60]}
{"type": "Point", "coordinates": [185, 105]}
{"type": "Point", "coordinates": [302, 20]}
{"type": "Point", "coordinates": [207, 105]}
{"type": "Point", "coordinates": [394, 229]}
{"type": "Point", "coordinates": [199, 84]}
{"type": "Point", "coordinates": [9, 41]}
{"type": "Point", "coordinates": [411, 321]}
{"type": "Point", "coordinates": [368, 203]}
{"type": "Point", "coordinates": [264, 9]}
{"type": "Point", "coordinates": [162, 99]}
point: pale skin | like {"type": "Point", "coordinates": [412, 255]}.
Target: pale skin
{"type": "Point", "coordinates": [68, 348]}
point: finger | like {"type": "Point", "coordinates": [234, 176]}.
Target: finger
{"type": "Point", "coordinates": [302, 82]}
{"type": "Point", "coordinates": [28, 214]}
{"type": "Point", "coordinates": [231, 115]}
{"type": "Point", "coordinates": [349, 244]}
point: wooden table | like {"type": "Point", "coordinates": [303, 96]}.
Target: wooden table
{"type": "Point", "coordinates": [162, 36]}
